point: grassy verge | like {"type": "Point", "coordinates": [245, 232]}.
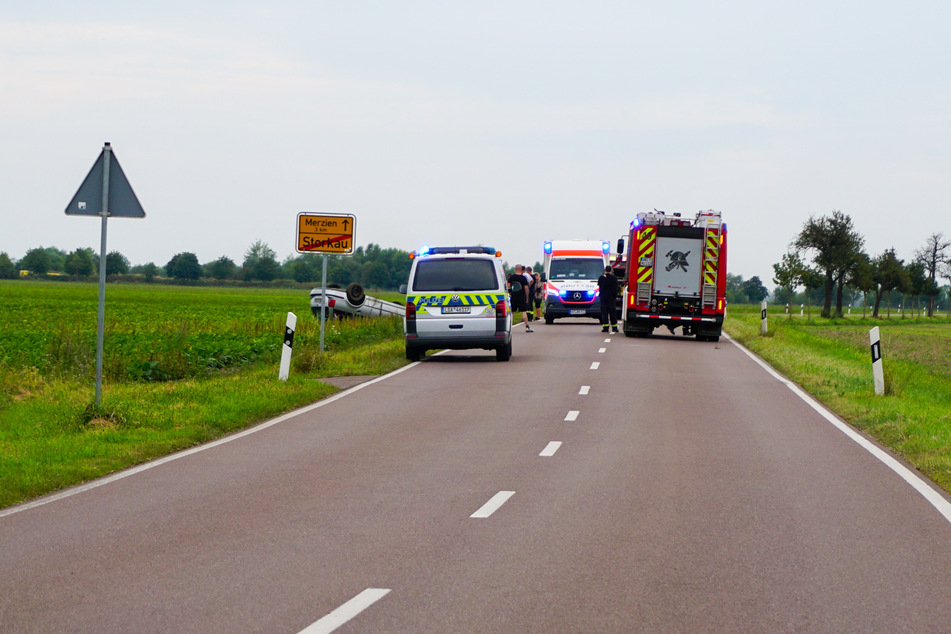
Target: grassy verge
{"type": "Point", "coordinates": [831, 360]}
{"type": "Point", "coordinates": [51, 436]}
{"type": "Point", "coordinates": [182, 366]}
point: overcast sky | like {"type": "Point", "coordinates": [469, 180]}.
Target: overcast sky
{"type": "Point", "coordinates": [502, 123]}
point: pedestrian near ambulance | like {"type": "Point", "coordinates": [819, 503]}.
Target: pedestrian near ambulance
{"type": "Point", "coordinates": [518, 290]}
{"type": "Point", "coordinates": [608, 289]}
{"type": "Point", "coordinates": [539, 296]}
{"type": "Point", "coordinates": [530, 296]}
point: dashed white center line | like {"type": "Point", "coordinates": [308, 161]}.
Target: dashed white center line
{"type": "Point", "coordinates": [608, 340]}
{"type": "Point", "coordinates": [584, 389]}
{"type": "Point", "coordinates": [493, 505]}
{"type": "Point", "coordinates": [347, 611]}
{"type": "Point", "coordinates": [550, 449]}
{"type": "Point", "coordinates": [602, 350]}
{"type": "Point", "coordinates": [572, 415]}
{"type": "Point", "coordinates": [595, 365]}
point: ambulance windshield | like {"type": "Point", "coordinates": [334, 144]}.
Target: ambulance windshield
{"type": "Point", "coordinates": [576, 269]}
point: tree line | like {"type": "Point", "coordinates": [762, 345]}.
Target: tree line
{"type": "Point", "coordinates": [373, 266]}
{"type": "Point", "coordinates": [827, 258]}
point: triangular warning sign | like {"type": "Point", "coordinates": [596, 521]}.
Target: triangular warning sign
{"type": "Point", "coordinates": [122, 200]}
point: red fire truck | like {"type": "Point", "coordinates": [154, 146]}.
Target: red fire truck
{"type": "Point", "coordinates": [674, 274]}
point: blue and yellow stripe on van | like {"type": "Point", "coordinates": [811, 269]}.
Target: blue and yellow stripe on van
{"type": "Point", "coordinates": [455, 299]}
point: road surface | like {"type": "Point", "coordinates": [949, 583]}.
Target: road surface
{"type": "Point", "coordinates": [592, 484]}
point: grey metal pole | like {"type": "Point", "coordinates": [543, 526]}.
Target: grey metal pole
{"type": "Point", "coordinates": [323, 303]}
{"type": "Point", "coordinates": [100, 328]}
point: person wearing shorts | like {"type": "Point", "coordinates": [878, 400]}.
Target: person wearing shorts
{"type": "Point", "coordinates": [518, 291]}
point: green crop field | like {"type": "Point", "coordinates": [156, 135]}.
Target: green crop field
{"type": "Point", "coordinates": [831, 359]}
{"type": "Point", "coordinates": [181, 365]}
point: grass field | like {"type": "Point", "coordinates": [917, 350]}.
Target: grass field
{"type": "Point", "coordinates": [181, 366]}
{"type": "Point", "coordinates": [831, 359]}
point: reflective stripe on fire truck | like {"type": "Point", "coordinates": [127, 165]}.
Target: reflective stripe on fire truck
{"type": "Point", "coordinates": [645, 254]}
{"type": "Point", "coordinates": [710, 255]}
{"type": "Point", "coordinates": [456, 299]}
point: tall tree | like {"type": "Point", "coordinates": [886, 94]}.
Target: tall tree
{"type": "Point", "coordinates": [862, 277]}
{"type": "Point", "coordinates": [788, 275]}
{"type": "Point", "coordinates": [933, 256]}
{"type": "Point", "coordinates": [116, 263]}
{"type": "Point", "coordinates": [223, 268]}
{"type": "Point", "coordinates": [36, 261]}
{"type": "Point", "coordinates": [7, 268]}
{"type": "Point", "coordinates": [79, 263]}
{"type": "Point", "coordinates": [755, 290]}
{"type": "Point", "coordinates": [149, 270]}
{"type": "Point", "coordinates": [260, 263]}
{"type": "Point", "coordinates": [891, 274]}
{"type": "Point", "coordinates": [835, 245]}
{"type": "Point", "coordinates": [184, 266]}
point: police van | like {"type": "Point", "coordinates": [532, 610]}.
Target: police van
{"type": "Point", "coordinates": [456, 298]}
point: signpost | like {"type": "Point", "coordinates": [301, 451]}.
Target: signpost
{"type": "Point", "coordinates": [325, 233]}
{"type": "Point", "coordinates": [105, 192]}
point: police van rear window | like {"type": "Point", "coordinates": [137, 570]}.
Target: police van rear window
{"type": "Point", "coordinates": [455, 274]}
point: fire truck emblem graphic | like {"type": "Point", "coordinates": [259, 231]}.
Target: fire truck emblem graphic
{"type": "Point", "coordinates": [678, 259]}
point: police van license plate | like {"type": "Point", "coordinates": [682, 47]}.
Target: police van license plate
{"type": "Point", "coordinates": [576, 312]}
{"type": "Point", "coordinates": [455, 310]}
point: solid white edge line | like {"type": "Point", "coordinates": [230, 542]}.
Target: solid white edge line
{"type": "Point", "coordinates": [346, 612]}
{"type": "Point", "coordinates": [916, 481]}
{"type": "Point", "coordinates": [493, 504]}
{"type": "Point", "coordinates": [594, 365]}
{"type": "Point", "coordinates": [572, 415]}
{"type": "Point", "coordinates": [584, 389]}
{"type": "Point", "coordinates": [188, 452]}
{"type": "Point", "coordinates": [550, 449]}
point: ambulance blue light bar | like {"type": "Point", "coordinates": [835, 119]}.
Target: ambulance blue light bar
{"type": "Point", "coordinates": [548, 248]}
{"type": "Point", "coordinates": [605, 247]}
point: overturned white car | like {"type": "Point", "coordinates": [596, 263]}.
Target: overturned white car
{"type": "Point", "coordinates": [352, 302]}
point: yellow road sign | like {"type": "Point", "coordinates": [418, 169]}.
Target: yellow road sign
{"type": "Point", "coordinates": [325, 233]}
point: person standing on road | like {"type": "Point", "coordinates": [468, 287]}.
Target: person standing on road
{"type": "Point", "coordinates": [608, 289]}
{"type": "Point", "coordinates": [518, 290]}
{"type": "Point", "coordinates": [539, 296]}
{"type": "Point", "coordinates": [529, 296]}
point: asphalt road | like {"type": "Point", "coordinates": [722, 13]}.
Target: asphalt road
{"type": "Point", "coordinates": [592, 484]}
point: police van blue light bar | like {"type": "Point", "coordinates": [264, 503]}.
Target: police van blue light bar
{"type": "Point", "coordinates": [444, 250]}
{"type": "Point", "coordinates": [548, 248]}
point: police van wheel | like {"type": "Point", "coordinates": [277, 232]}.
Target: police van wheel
{"type": "Point", "coordinates": [504, 352]}
{"type": "Point", "coordinates": [414, 354]}
{"type": "Point", "coordinates": [549, 320]}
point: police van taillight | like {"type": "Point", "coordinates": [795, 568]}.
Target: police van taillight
{"type": "Point", "coordinates": [410, 319]}
{"type": "Point", "coordinates": [501, 309]}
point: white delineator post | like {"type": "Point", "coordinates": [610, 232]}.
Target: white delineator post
{"type": "Point", "coordinates": [763, 316]}
{"type": "Point", "coordinates": [878, 373]}
{"type": "Point", "coordinates": [288, 344]}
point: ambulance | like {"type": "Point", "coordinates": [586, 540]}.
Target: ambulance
{"type": "Point", "coordinates": [456, 298]}
{"type": "Point", "coordinates": [571, 272]}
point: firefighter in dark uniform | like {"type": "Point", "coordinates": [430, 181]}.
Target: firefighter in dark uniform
{"type": "Point", "coordinates": [608, 290]}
